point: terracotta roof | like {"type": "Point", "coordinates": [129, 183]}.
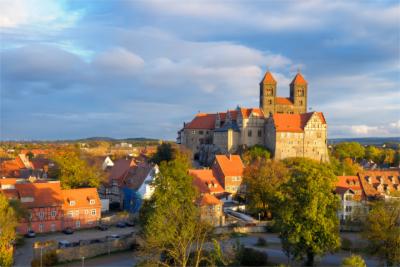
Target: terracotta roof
{"type": "Point", "coordinates": [202, 121]}
{"type": "Point", "coordinates": [10, 168]}
{"type": "Point", "coordinates": [43, 194]}
{"type": "Point", "coordinates": [350, 182]}
{"type": "Point", "coordinates": [294, 122]}
{"type": "Point", "coordinates": [298, 79]}
{"type": "Point", "coordinates": [246, 112]}
{"type": "Point", "coordinates": [10, 193]}
{"type": "Point", "coordinates": [120, 169]}
{"type": "Point", "coordinates": [374, 182]}
{"type": "Point", "coordinates": [268, 78]}
{"type": "Point", "coordinates": [81, 196]}
{"type": "Point", "coordinates": [8, 181]}
{"type": "Point", "coordinates": [205, 181]}
{"type": "Point", "coordinates": [208, 199]}
{"type": "Point", "coordinates": [231, 165]}
{"type": "Point", "coordinates": [35, 151]}
{"type": "Point", "coordinates": [283, 101]}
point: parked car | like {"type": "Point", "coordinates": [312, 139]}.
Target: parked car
{"type": "Point", "coordinates": [30, 234]}
{"type": "Point", "coordinates": [102, 227]}
{"type": "Point", "coordinates": [64, 244]}
{"type": "Point", "coordinates": [121, 224]}
{"type": "Point", "coordinates": [130, 223]}
{"type": "Point", "coordinates": [68, 231]}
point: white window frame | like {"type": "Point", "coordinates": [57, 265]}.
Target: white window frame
{"type": "Point", "coordinates": [92, 202]}
{"type": "Point", "coordinates": [53, 213]}
{"type": "Point", "coordinates": [93, 212]}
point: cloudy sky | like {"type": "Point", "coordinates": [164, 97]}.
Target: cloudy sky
{"type": "Point", "coordinates": [73, 69]}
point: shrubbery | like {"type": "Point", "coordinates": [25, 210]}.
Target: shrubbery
{"type": "Point", "coordinates": [249, 256]}
{"type": "Point", "coordinates": [48, 259]}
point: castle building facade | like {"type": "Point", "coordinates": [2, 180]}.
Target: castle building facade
{"type": "Point", "coordinates": [280, 124]}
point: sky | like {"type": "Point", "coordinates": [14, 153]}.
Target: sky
{"type": "Point", "coordinates": [76, 69]}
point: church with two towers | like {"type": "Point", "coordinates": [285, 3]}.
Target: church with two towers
{"type": "Point", "coordinates": [281, 124]}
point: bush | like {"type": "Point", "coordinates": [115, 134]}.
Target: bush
{"type": "Point", "coordinates": [249, 256]}
{"type": "Point", "coordinates": [353, 261]}
{"type": "Point", "coordinates": [261, 242]}
{"type": "Point", "coordinates": [346, 244]}
{"type": "Point", "coordinates": [48, 259]}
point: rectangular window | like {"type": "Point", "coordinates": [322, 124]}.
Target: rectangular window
{"type": "Point", "coordinates": [77, 213]}
{"type": "Point", "coordinates": [93, 212]}
{"type": "Point", "coordinates": [92, 202]}
{"type": "Point", "coordinates": [201, 132]}
{"type": "Point", "coordinates": [249, 133]}
{"type": "Point", "coordinates": [41, 227]}
{"type": "Point", "coordinates": [78, 224]}
{"type": "Point", "coordinates": [86, 211]}
{"type": "Point", "coordinates": [72, 203]}
{"type": "Point", "coordinates": [53, 227]}
{"type": "Point", "coordinates": [53, 213]}
{"type": "Point", "coordinates": [259, 133]}
{"type": "Point", "coordinates": [41, 215]}
{"type": "Point", "coordinates": [348, 208]}
{"type": "Point", "coordinates": [71, 213]}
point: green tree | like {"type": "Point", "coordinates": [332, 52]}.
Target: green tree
{"type": "Point", "coordinates": [382, 229]}
{"type": "Point", "coordinates": [165, 152]}
{"type": "Point", "coordinates": [373, 153]}
{"type": "Point", "coordinates": [353, 261]}
{"type": "Point", "coordinates": [388, 156]}
{"type": "Point", "coordinates": [8, 224]}
{"type": "Point", "coordinates": [171, 221]}
{"type": "Point", "coordinates": [263, 178]}
{"type": "Point", "coordinates": [255, 153]}
{"type": "Point", "coordinates": [351, 150]}
{"type": "Point", "coordinates": [306, 218]}
{"type": "Point", "coordinates": [74, 172]}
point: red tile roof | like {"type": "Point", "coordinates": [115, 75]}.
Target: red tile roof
{"type": "Point", "coordinates": [231, 165]}
{"type": "Point", "coordinates": [43, 194]}
{"type": "Point", "coordinates": [268, 78]}
{"type": "Point", "coordinates": [81, 196]}
{"type": "Point", "coordinates": [202, 121]}
{"type": "Point", "coordinates": [208, 199]}
{"type": "Point", "coordinates": [349, 182]}
{"type": "Point", "coordinates": [299, 79]}
{"type": "Point", "coordinates": [294, 122]}
{"type": "Point", "coordinates": [378, 179]}
{"type": "Point", "coordinates": [206, 182]}
{"type": "Point", "coordinates": [10, 168]}
{"type": "Point", "coordinates": [283, 101]}
{"type": "Point", "coordinates": [120, 169]}
{"type": "Point", "coordinates": [207, 120]}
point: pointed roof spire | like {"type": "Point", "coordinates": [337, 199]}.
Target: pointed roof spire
{"type": "Point", "coordinates": [298, 79]}
{"type": "Point", "coordinates": [268, 78]}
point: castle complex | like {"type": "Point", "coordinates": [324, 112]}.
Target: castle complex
{"type": "Point", "coordinates": [280, 124]}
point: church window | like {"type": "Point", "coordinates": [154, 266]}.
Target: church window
{"type": "Point", "coordinates": [249, 133]}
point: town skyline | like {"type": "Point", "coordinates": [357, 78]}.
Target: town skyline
{"type": "Point", "coordinates": [128, 69]}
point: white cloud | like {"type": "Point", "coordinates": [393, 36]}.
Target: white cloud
{"type": "Point", "coordinates": [395, 125]}
{"type": "Point", "coordinates": [47, 13]}
{"type": "Point", "coordinates": [118, 61]}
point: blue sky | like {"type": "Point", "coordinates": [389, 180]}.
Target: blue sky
{"type": "Point", "coordinates": [74, 69]}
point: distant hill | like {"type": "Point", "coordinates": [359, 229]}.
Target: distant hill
{"type": "Point", "coordinates": [109, 139]}
{"type": "Point", "coordinates": [366, 140]}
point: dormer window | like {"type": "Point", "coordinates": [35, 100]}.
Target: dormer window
{"type": "Point", "coordinates": [92, 202]}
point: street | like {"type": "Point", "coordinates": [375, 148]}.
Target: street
{"type": "Point", "coordinates": [274, 251]}
{"type": "Point", "coordinates": [24, 254]}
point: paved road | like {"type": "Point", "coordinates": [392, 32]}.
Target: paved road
{"type": "Point", "coordinates": [24, 254]}
{"type": "Point", "coordinates": [274, 251]}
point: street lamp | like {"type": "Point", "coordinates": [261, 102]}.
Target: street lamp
{"type": "Point", "coordinates": [83, 261]}
{"type": "Point", "coordinates": [41, 256]}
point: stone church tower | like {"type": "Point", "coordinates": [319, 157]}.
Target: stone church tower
{"type": "Point", "coordinates": [271, 104]}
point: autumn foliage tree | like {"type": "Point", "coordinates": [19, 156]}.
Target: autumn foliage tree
{"type": "Point", "coordinates": [382, 229]}
{"type": "Point", "coordinates": [307, 215]}
{"type": "Point", "coordinates": [8, 224]}
{"type": "Point", "coordinates": [171, 221]}
{"type": "Point", "coordinates": [263, 179]}
{"type": "Point", "coordinates": [75, 172]}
